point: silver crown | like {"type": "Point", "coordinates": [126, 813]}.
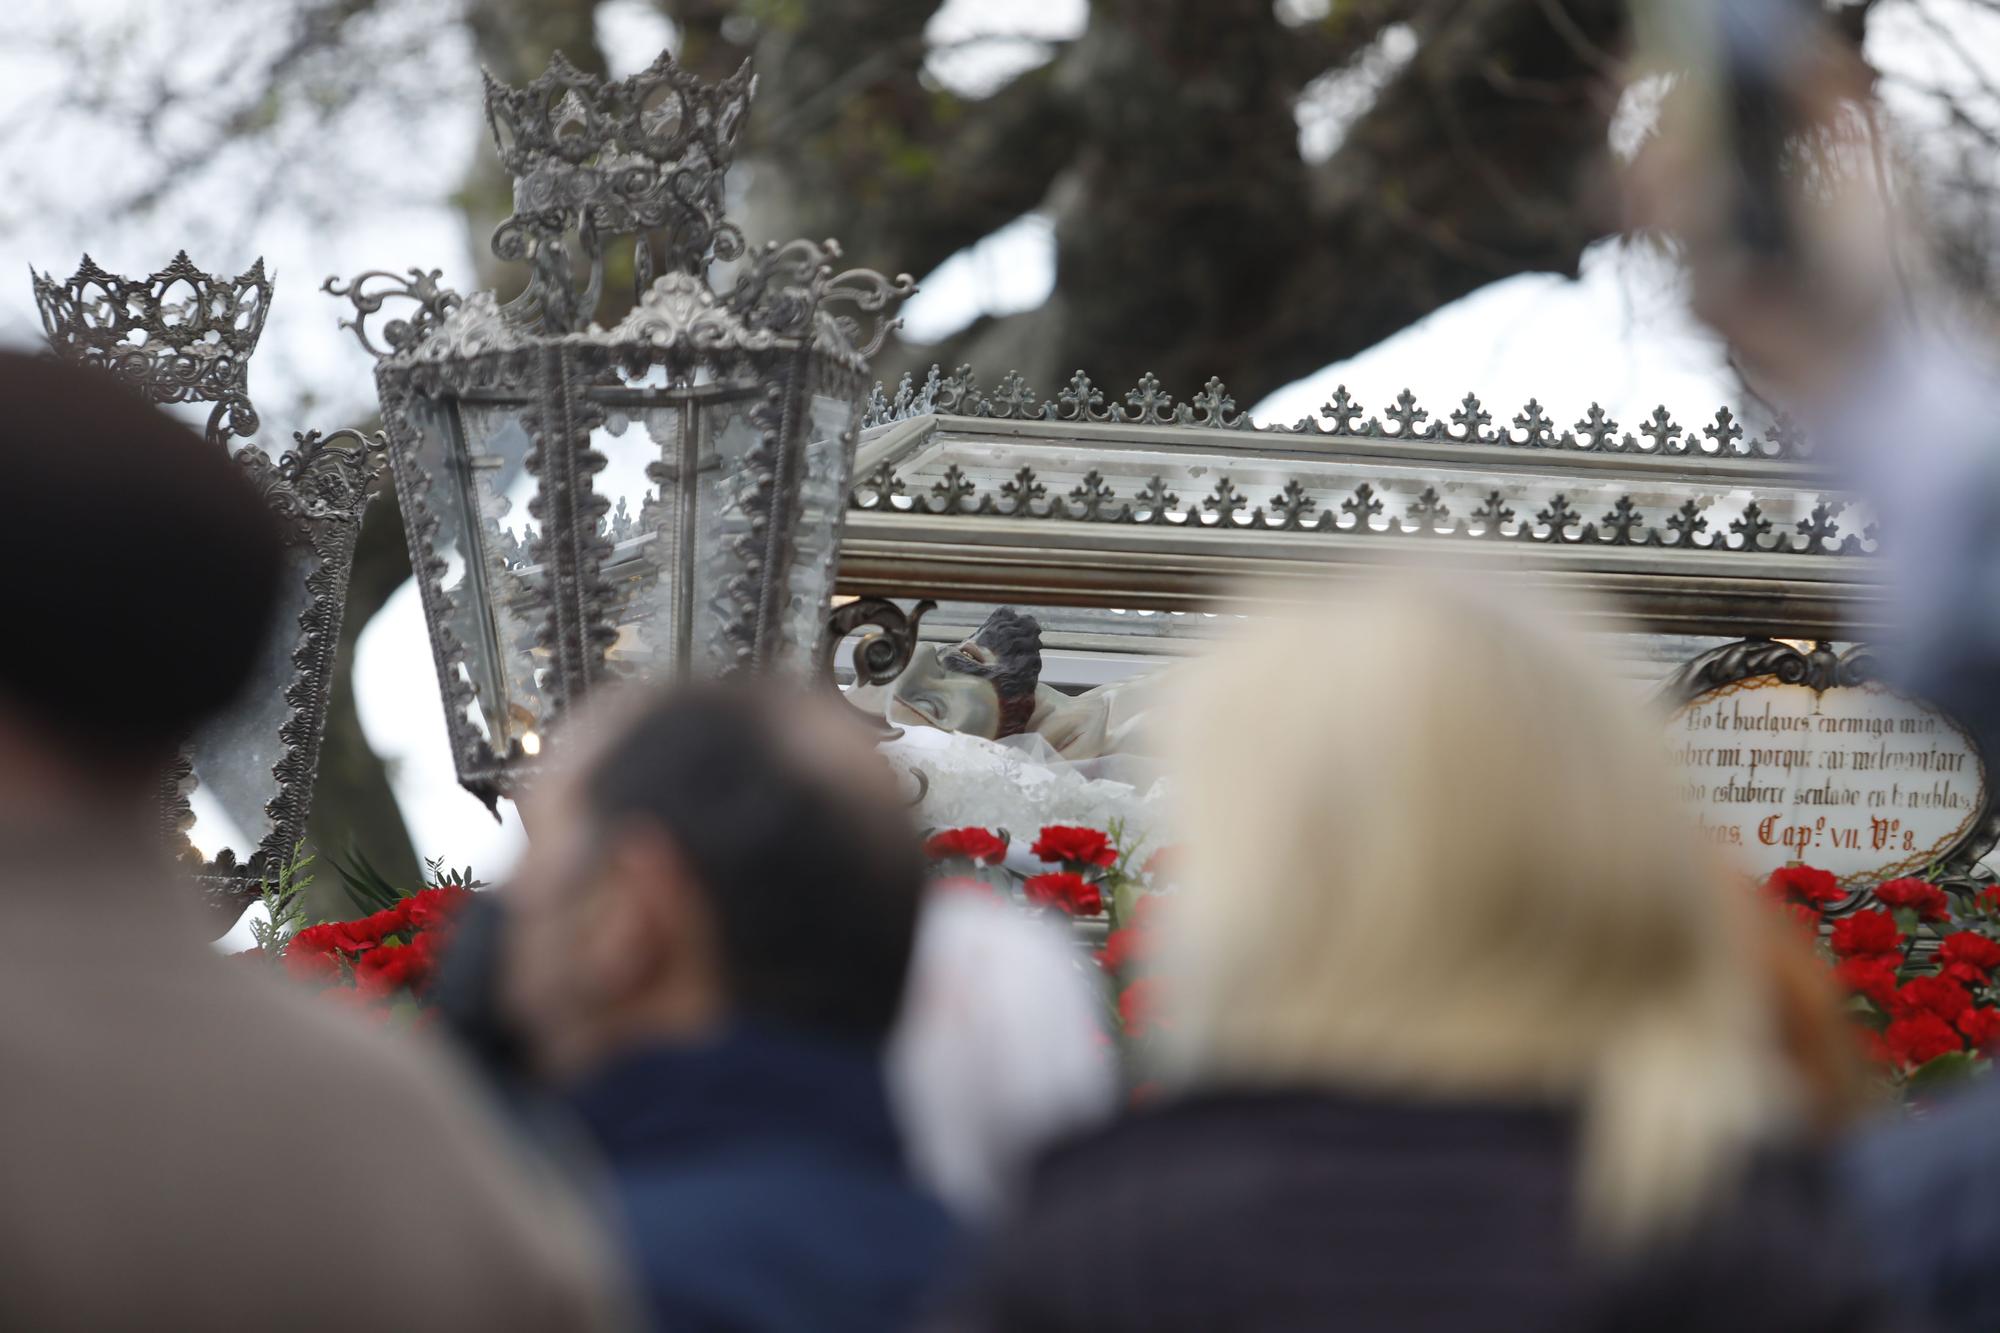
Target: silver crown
{"type": "Point", "coordinates": [179, 336]}
{"type": "Point", "coordinates": [643, 156]}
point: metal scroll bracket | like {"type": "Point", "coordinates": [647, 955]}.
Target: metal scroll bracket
{"type": "Point", "coordinates": [880, 656]}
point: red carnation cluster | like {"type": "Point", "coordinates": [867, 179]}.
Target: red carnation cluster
{"type": "Point", "coordinates": [1969, 956]}
{"type": "Point", "coordinates": [1090, 874]}
{"type": "Point", "coordinates": [1920, 965]}
{"type": "Point", "coordinates": [392, 952]}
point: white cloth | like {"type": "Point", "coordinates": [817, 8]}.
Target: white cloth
{"type": "Point", "coordinates": [997, 1051]}
{"type": "Point", "coordinates": [1021, 784]}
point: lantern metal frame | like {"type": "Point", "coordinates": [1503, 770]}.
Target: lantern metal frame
{"type": "Point", "coordinates": [185, 336]}
{"type": "Point", "coordinates": [593, 161]}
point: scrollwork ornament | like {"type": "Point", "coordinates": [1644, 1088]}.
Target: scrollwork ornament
{"type": "Point", "coordinates": [879, 657]}
{"type": "Point", "coordinates": [433, 303]}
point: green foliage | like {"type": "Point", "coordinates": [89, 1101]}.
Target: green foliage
{"type": "Point", "coordinates": [1943, 1072]}
{"type": "Point", "coordinates": [368, 889]}
{"type": "Point", "coordinates": [284, 905]}
{"type": "Point", "coordinates": [438, 875]}
{"type": "Point", "coordinates": [372, 892]}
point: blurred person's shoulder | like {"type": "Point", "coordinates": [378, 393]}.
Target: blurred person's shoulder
{"type": "Point", "coordinates": [1275, 1209]}
{"type": "Point", "coordinates": [190, 1096]}
{"type": "Point", "coordinates": [487, 1215]}
{"type": "Point", "coordinates": [1286, 1209]}
{"type": "Point", "coordinates": [1924, 1189]}
{"type": "Point", "coordinates": [1775, 1256]}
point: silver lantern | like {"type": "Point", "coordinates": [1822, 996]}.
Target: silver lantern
{"type": "Point", "coordinates": [234, 808]}
{"type": "Point", "coordinates": [656, 499]}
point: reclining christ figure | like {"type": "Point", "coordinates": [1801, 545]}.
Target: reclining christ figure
{"type": "Point", "coordinates": [990, 685]}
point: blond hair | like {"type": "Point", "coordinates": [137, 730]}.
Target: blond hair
{"type": "Point", "coordinates": [1433, 849]}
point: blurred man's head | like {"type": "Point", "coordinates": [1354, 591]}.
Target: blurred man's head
{"type": "Point", "coordinates": [713, 854]}
{"type": "Point", "coordinates": [141, 570]}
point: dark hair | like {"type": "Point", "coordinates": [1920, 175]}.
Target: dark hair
{"type": "Point", "coordinates": [813, 881]}
{"type": "Point", "coordinates": [141, 565]}
{"type": "Point", "coordinates": [1015, 641]}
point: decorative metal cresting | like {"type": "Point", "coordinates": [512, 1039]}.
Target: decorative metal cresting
{"type": "Point", "coordinates": [1149, 404]}
{"type": "Point", "coordinates": [1363, 507]}
{"type": "Point", "coordinates": [185, 336]}
{"type": "Point", "coordinates": [660, 498]}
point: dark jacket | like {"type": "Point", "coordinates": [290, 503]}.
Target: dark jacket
{"type": "Point", "coordinates": [1926, 1192]}
{"type": "Point", "coordinates": [762, 1186]}
{"type": "Point", "coordinates": [1277, 1211]}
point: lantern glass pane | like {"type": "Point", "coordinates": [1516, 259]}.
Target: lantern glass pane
{"type": "Point", "coordinates": [816, 531]}
{"type": "Point", "coordinates": [641, 447]}
{"type": "Point", "coordinates": [478, 493]}
{"type": "Point", "coordinates": [676, 477]}
{"type": "Point", "coordinates": [234, 754]}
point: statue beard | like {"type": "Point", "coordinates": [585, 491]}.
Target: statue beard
{"type": "Point", "coordinates": [1017, 711]}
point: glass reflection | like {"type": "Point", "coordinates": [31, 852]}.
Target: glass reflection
{"type": "Point", "coordinates": [816, 533]}
{"type": "Point", "coordinates": [234, 754]}
{"type": "Point", "coordinates": [486, 548]}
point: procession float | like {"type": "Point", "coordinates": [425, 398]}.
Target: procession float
{"type": "Point", "coordinates": [1004, 581]}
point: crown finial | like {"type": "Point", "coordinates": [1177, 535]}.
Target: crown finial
{"type": "Point", "coordinates": [179, 336]}
{"type": "Point", "coordinates": [643, 156]}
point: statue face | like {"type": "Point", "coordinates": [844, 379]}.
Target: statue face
{"type": "Point", "coordinates": [984, 685]}
{"type": "Point", "coordinates": [935, 690]}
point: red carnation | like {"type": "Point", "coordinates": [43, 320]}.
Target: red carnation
{"type": "Point", "coordinates": [1980, 1026]}
{"type": "Point", "coordinates": [1921, 1038]}
{"type": "Point", "coordinates": [392, 968]}
{"type": "Point", "coordinates": [1927, 900]}
{"type": "Point", "coordinates": [310, 965]}
{"type": "Point", "coordinates": [350, 937]}
{"type": "Point", "coordinates": [1139, 1008]}
{"type": "Point", "coordinates": [1164, 863]}
{"type": "Point", "coordinates": [1934, 995]}
{"type": "Point", "coordinates": [1065, 891]}
{"type": "Point", "coordinates": [1872, 975]}
{"type": "Point", "coordinates": [1990, 898]}
{"type": "Point", "coordinates": [427, 909]}
{"type": "Point", "coordinates": [1872, 931]}
{"type": "Point", "coordinates": [1075, 846]}
{"type": "Point", "coordinates": [358, 936]}
{"type": "Point", "coordinates": [981, 846]}
{"type": "Point", "coordinates": [1968, 956]}
{"type": "Point", "coordinates": [1804, 918]}
{"type": "Point", "coordinates": [1125, 946]}
{"type": "Point", "coordinates": [1805, 884]}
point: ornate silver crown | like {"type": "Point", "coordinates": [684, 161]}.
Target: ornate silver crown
{"type": "Point", "coordinates": [179, 336]}
{"type": "Point", "coordinates": [643, 156]}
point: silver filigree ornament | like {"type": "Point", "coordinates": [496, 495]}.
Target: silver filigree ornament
{"type": "Point", "coordinates": [660, 498]}
{"type": "Point", "coordinates": [185, 336]}
{"type": "Point", "coordinates": [179, 336]}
